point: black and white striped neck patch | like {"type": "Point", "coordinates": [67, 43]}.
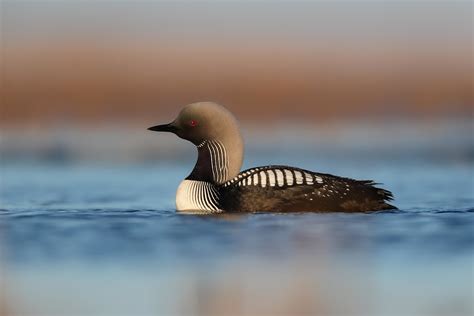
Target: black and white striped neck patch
{"type": "Point", "coordinates": [275, 176]}
{"type": "Point", "coordinates": [219, 160]}
{"type": "Point", "coordinates": [197, 196]}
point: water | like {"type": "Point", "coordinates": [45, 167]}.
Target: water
{"type": "Point", "coordinates": [92, 238]}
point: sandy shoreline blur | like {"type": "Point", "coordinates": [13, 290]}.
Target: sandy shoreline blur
{"type": "Point", "coordinates": [93, 82]}
{"type": "Point", "coordinates": [95, 62]}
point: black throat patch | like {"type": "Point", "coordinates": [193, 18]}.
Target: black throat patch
{"type": "Point", "coordinates": [202, 170]}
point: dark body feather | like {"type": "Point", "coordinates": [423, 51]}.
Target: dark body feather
{"type": "Point", "coordinates": [299, 190]}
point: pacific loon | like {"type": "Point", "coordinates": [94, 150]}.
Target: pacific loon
{"type": "Point", "coordinates": [216, 184]}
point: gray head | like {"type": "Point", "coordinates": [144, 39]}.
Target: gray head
{"type": "Point", "coordinates": [210, 123]}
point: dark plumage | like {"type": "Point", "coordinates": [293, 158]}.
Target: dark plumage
{"type": "Point", "coordinates": [332, 195]}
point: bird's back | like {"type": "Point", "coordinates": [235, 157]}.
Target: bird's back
{"type": "Point", "coordinates": [289, 189]}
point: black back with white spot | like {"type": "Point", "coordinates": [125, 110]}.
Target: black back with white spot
{"type": "Point", "coordinates": [289, 189]}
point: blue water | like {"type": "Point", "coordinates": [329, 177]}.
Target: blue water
{"type": "Point", "coordinates": [95, 238]}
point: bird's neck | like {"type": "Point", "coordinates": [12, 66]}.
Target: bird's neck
{"type": "Point", "coordinates": [218, 161]}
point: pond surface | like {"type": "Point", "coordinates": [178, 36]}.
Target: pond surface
{"type": "Point", "coordinates": [85, 238]}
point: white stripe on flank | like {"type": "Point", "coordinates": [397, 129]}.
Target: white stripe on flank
{"type": "Point", "coordinates": [255, 179]}
{"type": "Point", "coordinates": [288, 177]}
{"type": "Point", "coordinates": [280, 177]}
{"type": "Point", "coordinates": [309, 178]}
{"type": "Point", "coordinates": [299, 177]}
{"type": "Point", "coordinates": [263, 177]}
{"type": "Point", "coordinates": [271, 177]}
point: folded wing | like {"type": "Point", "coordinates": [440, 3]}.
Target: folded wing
{"type": "Point", "coordinates": [289, 189]}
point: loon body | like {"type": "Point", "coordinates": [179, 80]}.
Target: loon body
{"type": "Point", "coordinates": [216, 184]}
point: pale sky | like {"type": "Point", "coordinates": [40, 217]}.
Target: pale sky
{"type": "Point", "coordinates": [450, 20]}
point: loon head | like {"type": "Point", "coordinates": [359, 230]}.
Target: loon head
{"type": "Point", "coordinates": [201, 121]}
{"type": "Point", "coordinates": [216, 133]}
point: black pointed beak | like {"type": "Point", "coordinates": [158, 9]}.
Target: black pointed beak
{"type": "Point", "coordinates": [163, 128]}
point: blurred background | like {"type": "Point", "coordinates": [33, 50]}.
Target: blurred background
{"type": "Point", "coordinates": [125, 65]}
{"type": "Point", "coordinates": [365, 89]}
{"type": "Point", "coordinates": [99, 61]}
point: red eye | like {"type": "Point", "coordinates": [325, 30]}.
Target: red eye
{"type": "Point", "coordinates": [193, 123]}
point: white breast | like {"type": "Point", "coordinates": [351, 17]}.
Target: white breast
{"type": "Point", "coordinates": [197, 196]}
